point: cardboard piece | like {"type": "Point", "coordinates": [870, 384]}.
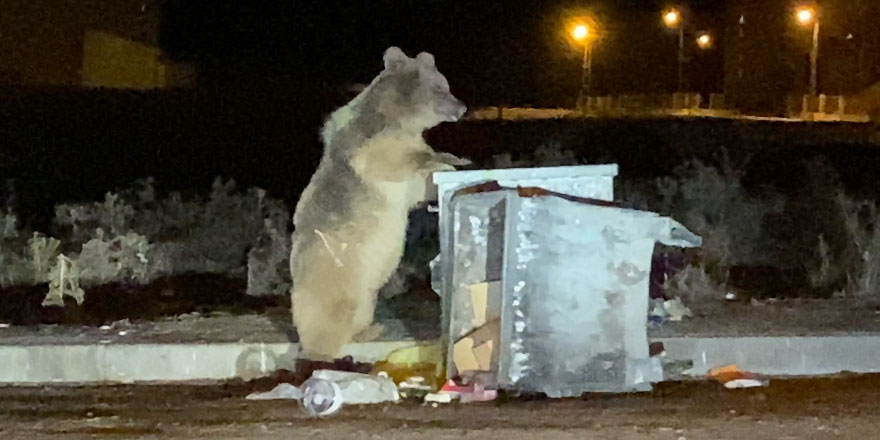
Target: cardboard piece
{"type": "Point", "coordinates": [474, 352]}
{"type": "Point", "coordinates": [480, 301]}
{"type": "Point", "coordinates": [463, 355]}
{"type": "Point", "coordinates": [483, 354]}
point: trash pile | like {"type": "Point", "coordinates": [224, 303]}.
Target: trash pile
{"type": "Point", "coordinates": [516, 316]}
{"type": "Point", "coordinates": [409, 374]}
{"type": "Point", "coordinates": [414, 375]}
{"type": "Point", "coordinates": [732, 377]}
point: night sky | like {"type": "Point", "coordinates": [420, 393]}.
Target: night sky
{"type": "Point", "coordinates": [493, 52]}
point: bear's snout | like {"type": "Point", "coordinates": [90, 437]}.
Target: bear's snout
{"type": "Point", "coordinates": [455, 109]}
{"type": "Point", "coordinates": [462, 109]}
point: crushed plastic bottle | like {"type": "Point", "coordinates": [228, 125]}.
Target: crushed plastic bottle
{"type": "Point", "coordinates": [321, 397]}
{"type": "Point", "coordinates": [326, 391]}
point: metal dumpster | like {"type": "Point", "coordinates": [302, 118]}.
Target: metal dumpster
{"type": "Point", "coordinates": [547, 292]}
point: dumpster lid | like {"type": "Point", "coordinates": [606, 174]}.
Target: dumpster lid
{"type": "Point", "coordinates": [673, 233]}
{"type": "Point", "coordinates": [566, 172]}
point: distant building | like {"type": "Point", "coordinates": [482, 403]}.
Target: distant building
{"type": "Point", "coordinates": [92, 43]}
{"type": "Point", "coordinates": [766, 55]}
{"type": "Point", "coordinates": [109, 60]}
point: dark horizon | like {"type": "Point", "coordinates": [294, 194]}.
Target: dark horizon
{"type": "Point", "coordinates": [505, 53]}
{"type": "Point", "coordinates": [494, 53]}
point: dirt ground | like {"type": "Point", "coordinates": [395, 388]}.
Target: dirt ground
{"type": "Point", "coordinates": [211, 308]}
{"type": "Point", "coordinates": [188, 309]}
{"type": "Point", "coordinates": [789, 317]}
{"type": "Point", "coordinates": [842, 407]}
{"type": "Point", "coordinates": [784, 317]}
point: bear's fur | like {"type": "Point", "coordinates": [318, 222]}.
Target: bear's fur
{"type": "Point", "coordinates": [350, 222]}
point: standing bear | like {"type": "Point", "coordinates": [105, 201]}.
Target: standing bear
{"type": "Point", "coordinates": [350, 222]}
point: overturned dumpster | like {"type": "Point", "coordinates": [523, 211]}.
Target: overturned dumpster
{"type": "Point", "coordinates": [545, 281]}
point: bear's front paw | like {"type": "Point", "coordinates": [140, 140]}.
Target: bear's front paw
{"type": "Point", "coordinates": [436, 166]}
{"type": "Point", "coordinates": [451, 159]}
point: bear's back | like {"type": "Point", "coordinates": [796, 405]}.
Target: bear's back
{"type": "Point", "coordinates": [331, 196]}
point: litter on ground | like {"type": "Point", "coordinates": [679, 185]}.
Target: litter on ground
{"type": "Point", "coordinates": [281, 391]}
{"type": "Point", "coordinates": [676, 309]}
{"type": "Point", "coordinates": [732, 377]}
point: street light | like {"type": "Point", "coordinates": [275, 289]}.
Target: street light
{"type": "Point", "coordinates": [704, 41]}
{"type": "Point", "coordinates": [672, 19]}
{"type": "Point", "coordinates": [805, 16]}
{"type": "Point", "coordinates": [581, 34]}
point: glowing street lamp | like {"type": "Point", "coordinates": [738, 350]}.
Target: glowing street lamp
{"type": "Point", "coordinates": [672, 19]}
{"type": "Point", "coordinates": [806, 16]}
{"type": "Point", "coordinates": [581, 33]}
{"type": "Point", "coordinates": [704, 41]}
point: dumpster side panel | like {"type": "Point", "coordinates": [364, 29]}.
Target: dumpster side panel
{"type": "Point", "coordinates": [576, 298]}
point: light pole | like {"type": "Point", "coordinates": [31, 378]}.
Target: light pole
{"type": "Point", "coordinates": [581, 33]}
{"type": "Point", "coordinates": [672, 18]}
{"type": "Point", "coordinates": [740, 50]}
{"type": "Point", "coordinates": [806, 16]}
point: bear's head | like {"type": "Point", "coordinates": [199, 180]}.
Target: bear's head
{"type": "Point", "coordinates": [413, 93]}
{"type": "Point", "coordinates": [409, 95]}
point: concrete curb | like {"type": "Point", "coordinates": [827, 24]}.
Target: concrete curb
{"type": "Point", "coordinates": [780, 356]}
{"type": "Point", "coordinates": [130, 363]}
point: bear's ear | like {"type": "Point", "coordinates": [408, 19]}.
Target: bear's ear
{"type": "Point", "coordinates": [426, 59]}
{"type": "Point", "coordinates": [394, 58]}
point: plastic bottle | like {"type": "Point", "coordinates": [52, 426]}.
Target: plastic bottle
{"type": "Point", "coordinates": [326, 391]}
{"type": "Point", "coordinates": [321, 397]}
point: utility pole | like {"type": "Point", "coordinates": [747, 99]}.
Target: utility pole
{"type": "Point", "coordinates": [681, 58]}
{"type": "Point", "coordinates": [814, 56]}
{"type": "Point", "coordinates": [586, 73]}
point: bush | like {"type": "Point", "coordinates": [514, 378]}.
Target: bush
{"type": "Point", "coordinates": [190, 236]}
{"type": "Point", "coordinates": [858, 259]}
{"type": "Point", "coordinates": [25, 261]}
{"type": "Point", "coordinates": [846, 241]}
{"type": "Point", "coordinates": [545, 155]}
{"type": "Point", "coordinates": [711, 202]}
{"type": "Point", "coordinates": [693, 283]}
{"type": "Point", "coordinates": [268, 268]}
{"type": "Point", "coordinates": [64, 281]}
{"type": "Point", "coordinates": [133, 236]}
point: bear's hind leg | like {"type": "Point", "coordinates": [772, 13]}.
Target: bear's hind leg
{"type": "Point", "coordinates": [325, 301]}
{"type": "Point", "coordinates": [323, 328]}
{"type": "Point", "coordinates": [364, 312]}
